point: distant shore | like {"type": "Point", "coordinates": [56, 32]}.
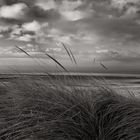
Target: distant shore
{"type": "Point", "coordinates": [74, 75]}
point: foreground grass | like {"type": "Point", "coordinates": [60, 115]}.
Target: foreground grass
{"type": "Point", "coordinates": [36, 110]}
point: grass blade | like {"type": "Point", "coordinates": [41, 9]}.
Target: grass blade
{"type": "Point", "coordinates": [103, 66]}
{"type": "Point", "coordinates": [73, 56]}
{"type": "Point", "coordinates": [67, 52]}
{"type": "Point", "coordinates": [56, 62]}
{"type": "Point", "coordinates": [23, 51]}
{"type": "Point", "coordinates": [32, 58]}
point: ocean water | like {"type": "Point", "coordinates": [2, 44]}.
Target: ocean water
{"type": "Point", "coordinates": [120, 82]}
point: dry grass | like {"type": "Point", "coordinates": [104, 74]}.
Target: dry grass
{"type": "Point", "coordinates": [34, 110]}
{"type": "Point", "coordinates": [56, 110]}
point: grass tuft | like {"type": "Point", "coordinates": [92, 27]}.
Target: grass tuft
{"type": "Point", "coordinates": [35, 110]}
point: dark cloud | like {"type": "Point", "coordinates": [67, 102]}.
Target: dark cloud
{"type": "Point", "coordinates": [11, 2]}
{"type": "Point", "coordinates": [32, 12]}
{"type": "Point", "coordinates": [101, 24]}
{"type": "Point", "coordinates": [13, 21]}
{"type": "Point", "coordinates": [37, 13]}
{"type": "Point", "coordinates": [101, 7]}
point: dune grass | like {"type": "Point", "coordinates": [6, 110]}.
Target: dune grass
{"type": "Point", "coordinates": [35, 110]}
{"type": "Point", "coordinates": [56, 109]}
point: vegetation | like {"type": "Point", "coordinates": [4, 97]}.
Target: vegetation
{"type": "Point", "coordinates": [63, 109]}
{"type": "Point", "coordinates": [52, 110]}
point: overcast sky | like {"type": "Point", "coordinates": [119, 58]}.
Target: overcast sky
{"type": "Point", "coordinates": [107, 31]}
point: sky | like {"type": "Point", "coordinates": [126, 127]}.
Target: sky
{"type": "Point", "coordinates": [96, 31]}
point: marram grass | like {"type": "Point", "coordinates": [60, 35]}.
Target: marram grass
{"type": "Point", "coordinates": [36, 110]}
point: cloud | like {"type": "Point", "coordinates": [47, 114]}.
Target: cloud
{"type": "Point", "coordinates": [120, 56]}
{"type": "Point", "coordinates": [28, 10]}
{"type": "Point", "coordinates": [18, 34]}
{"type": "Point", "coordinates": [120, 4]}
{"type": "Point", "coordinates": [66, 8]}
{"type": "Point", "coordinates": [46, 4]}
{"type": "Point", "coordinates": [131, 12]}
{"type": "Point", "coordinates": [4, 28]}
{"type": "Point", "coordinates": [31, 26]}
{"type": "Point", "coordinates": [64, 39]}
{"type": "Point", "coordinates": [76, 14]}
{"type": "Point", "coordinates": [102, 51]}
{"type": "Point", "coordinates": [30, 31]}
{"type": "Point", "coordinates": [29, 48]}
{"type": "Point", "coordinates": [34, 26]}
{"type": "Point", "coordinates": [44, 10]}
{"type": "Point", "coordinates": [15, 11]}
{"type": "Point", "coordinates": [72, 15]}
{"type": "Point", "coordinates": [1, 2]}
{"type": "Point", "coordinates": [88, 37]}
{"type": "Point", "coordinates": [26, 38]}
{"type": "Point", "coordinates": [58, 36]}
{"type": "Point", "coordinates": [1, 35]}
{"type": "Point", "coordinates": [127, 8]}
{"type": "Point", "coordinates": [71, 5]}
{"type": "Point", "coordinates": [69, 10]}
{"type": "Point", "coordinates": [16, 30]}
{"type": "Point", "coordinates": [52, 50]}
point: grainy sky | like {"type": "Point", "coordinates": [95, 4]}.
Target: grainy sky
{"type": "Point", "coordinates": [107, 31]}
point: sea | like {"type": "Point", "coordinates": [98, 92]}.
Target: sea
{"type": "Point", "coordinates": [120, 82]}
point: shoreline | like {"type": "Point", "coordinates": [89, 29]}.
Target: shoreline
{"type": "Point", "coordinates": [71, 75]}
